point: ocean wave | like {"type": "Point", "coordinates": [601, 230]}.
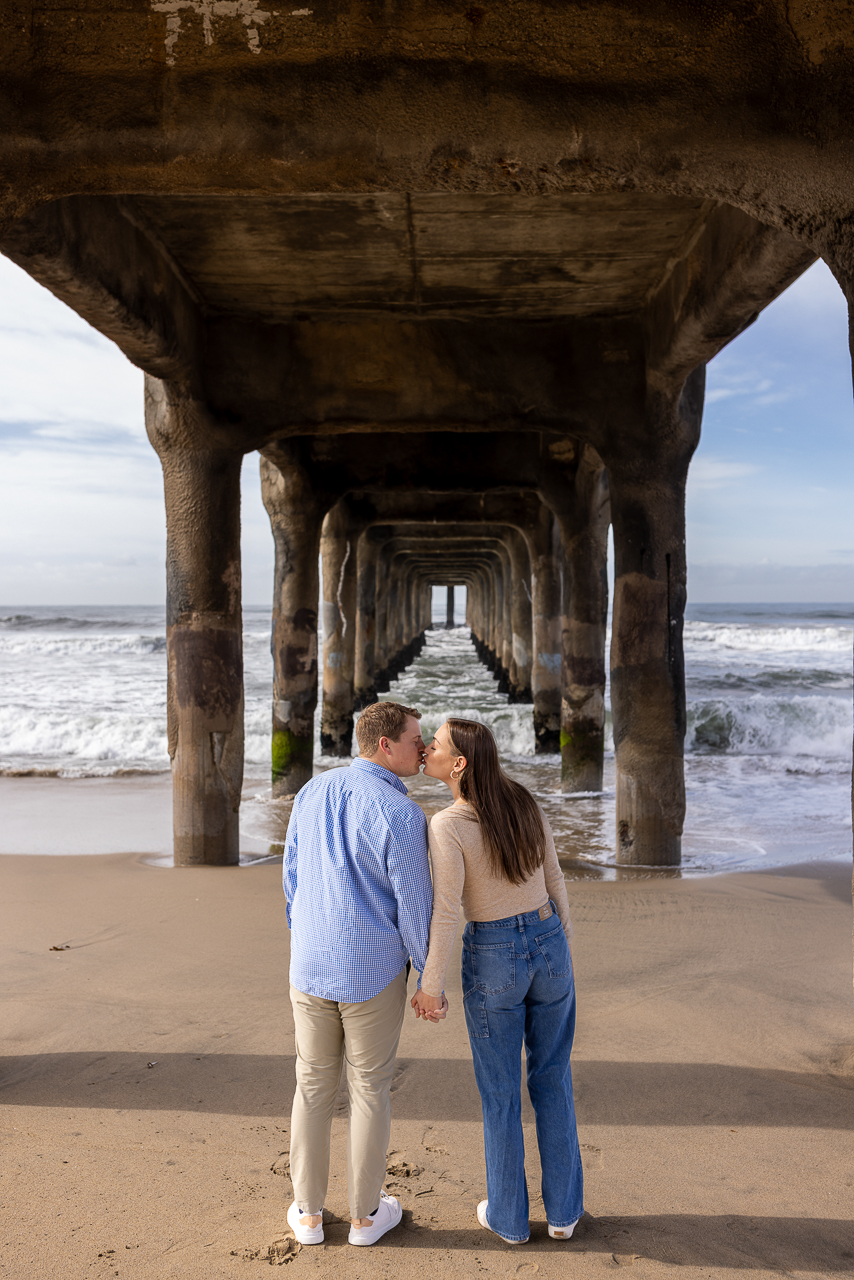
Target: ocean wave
{"type": "Point", "coordinates": [513, 726]}
{"type": "Point", "coordinates": [703, 636]}
{"type": "Point", "coordinates": [108, 621]}
{"type": "Point", "coordinates": [81, 646]}
{"type": "Point", "coordinates": [765, 726]}
{"type": "Point", "coordinates": [63, 740]}
{"type": "Point", "coordinates": [707, 681]}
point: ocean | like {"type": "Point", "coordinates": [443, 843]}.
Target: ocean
{"type": "Point", "coordinates": [768, 750]}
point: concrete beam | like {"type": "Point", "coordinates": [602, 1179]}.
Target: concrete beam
{"type": "Point", "coordinates": [102, 258]}
{"type": "Point", "coordinates": [365, 98]}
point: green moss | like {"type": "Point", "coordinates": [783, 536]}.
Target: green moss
{"type": "Point", "coordinates": [565, 739]}
{"type": "Point", "coordinates": [289, 751]}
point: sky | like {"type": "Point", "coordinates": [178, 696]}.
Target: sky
{"type": "Point", "coordinates": [770, 515]}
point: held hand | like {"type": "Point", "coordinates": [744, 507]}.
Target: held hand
{"type": "Point", "coordinates": [430, 1008]}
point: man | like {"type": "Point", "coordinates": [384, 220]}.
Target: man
{"type": "Point", "coordinates": [359, 899]}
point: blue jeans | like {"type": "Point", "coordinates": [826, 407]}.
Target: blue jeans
{"type": "Point", "coordinates": [518, 987]}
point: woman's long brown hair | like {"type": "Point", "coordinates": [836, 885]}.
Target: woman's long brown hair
{"type": "Point", "coordinates": [508, 814]}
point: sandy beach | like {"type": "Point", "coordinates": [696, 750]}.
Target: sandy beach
{"type": "Point", "coordinates": [148, 1073]}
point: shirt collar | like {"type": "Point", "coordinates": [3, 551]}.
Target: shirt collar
{"type": "Point", "coordinates": [379, 771]}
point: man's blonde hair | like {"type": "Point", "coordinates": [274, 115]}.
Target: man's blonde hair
{"type": "Point", "coordinates": [382, 720]}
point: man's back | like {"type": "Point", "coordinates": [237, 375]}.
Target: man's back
{"type": "Point", "coordinates": [357, 882]}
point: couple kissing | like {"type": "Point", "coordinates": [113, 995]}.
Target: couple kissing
{"type": "Point", "coordinates": [362, 904]}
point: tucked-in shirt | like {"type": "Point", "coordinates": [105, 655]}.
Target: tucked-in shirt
{"type": "Point", "coordinates": [357, 883]}
{"type": "Point", "coordinates": [462, 873]}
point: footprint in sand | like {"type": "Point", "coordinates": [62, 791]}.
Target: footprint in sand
{"type": "Point", "coordinates": [279, 1252]}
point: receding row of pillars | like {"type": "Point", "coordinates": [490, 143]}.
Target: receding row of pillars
{"type": "Point", "coordinates": [532, 557]}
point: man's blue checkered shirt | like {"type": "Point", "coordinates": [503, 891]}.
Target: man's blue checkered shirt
{"type": "Point", "coordinates": [357, 883]}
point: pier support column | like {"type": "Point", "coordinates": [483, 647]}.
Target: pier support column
{"type": "Point", "coordinates": [521, 641]}
{"type": "Point", "coordinates": [364, 681]}
{"type": "Point", "coordinates": [394, 618]}
{"type": "Point", "coordinates": [449, 609]}
{"type": "Point", "coordinates": [647, 661]}
{"type": "Point", "coordinates": [499, 623]}
{"type": "Point", "coordinates": [545, 552]}
{"type": "Point", "coordinates": [204, 638]}
{"type": "Point", "coordinates": [382, 654]}
{"type": "Point", "coordinates": [338, 545]}
{"type": "Point", "coordinates": [504, 636]}
{"type": "Point", "coordinates": [576, 488]}
{"type": "Point", "coordinates": [296, 514]}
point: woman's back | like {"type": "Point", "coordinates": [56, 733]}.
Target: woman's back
{"type": "Point", "coordinates": [463, 873]}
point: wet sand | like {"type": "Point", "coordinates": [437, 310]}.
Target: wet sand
{"type": "Point", "coordinates": [714, 1072]}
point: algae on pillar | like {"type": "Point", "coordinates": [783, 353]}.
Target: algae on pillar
{"type": "Point", "coordinates": [204, 638]}
{"type": "Point", "coordinates": [296, 512]}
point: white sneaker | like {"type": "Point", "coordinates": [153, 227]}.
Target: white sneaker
{"type": "Point", "coordinates": [563, 1233]}
{"type": "Point", "coordinates": [481, 1217]}
{"type": "Point", "coordinates": [388, 1215]}
{"type": "Point", "coordinates": [304, 1233]}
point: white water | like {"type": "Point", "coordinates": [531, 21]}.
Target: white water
{"type": "Point", "coordinates": [768, 749]}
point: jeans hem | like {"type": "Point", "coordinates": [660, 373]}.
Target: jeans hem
{"type": "Point", "coordinates": [561, 1226]}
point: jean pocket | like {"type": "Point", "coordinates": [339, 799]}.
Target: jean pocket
{"type": "Point", "coordinates": [554, 949]}
{"type": "Point", "coordinates": [493, 966]}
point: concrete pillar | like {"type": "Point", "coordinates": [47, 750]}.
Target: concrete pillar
{"type": "Point", "coordinates": [498, 623]}
{"type": "Point", "coordinates": [296, 514]}
{"type": "Point", "coordinates": [338, 543]}
{"type": "Point", "coordinates": [394, 619]}
{"type": "Point", "coordinates": [521, 641]}
{"type": "Point", "coordinates": [204, 639]}
{"type": "Point", "coordinates": [647, 661]}
{"type": "Point", "coordinates": [545, 551]}
{"type": "Point", "coordinates": [382, 652]}
{"type": "Point", "coordinates": [364, 685]}
{"type": "Point", "coordinates": [576, 487]}
{"type": "Point", "coordinates": [426, 606]}
{"type": "Point", "coordinates": [504, 625]}
{"type": "Point", "coordinates": [449, 608]}
{"type": "Point", "coordinates": [488, 588]}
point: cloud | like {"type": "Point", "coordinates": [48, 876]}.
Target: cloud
{"type": "Point", "coordinates": [709, 472]}
{"type": "Point", "coordinates": [729, 378]}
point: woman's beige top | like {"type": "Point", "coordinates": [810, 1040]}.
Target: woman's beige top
{"type": "Point", "coordinates": [462, 873]}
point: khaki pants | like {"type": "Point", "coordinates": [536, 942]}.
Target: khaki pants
{"type": "Point", "coordinates": [366, 1035]}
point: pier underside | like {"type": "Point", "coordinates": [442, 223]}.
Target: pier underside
{"type": "Point", "coordinates": [457, 278]}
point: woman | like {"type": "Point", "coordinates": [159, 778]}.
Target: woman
{"type": "Point", "coordinates": [493, 851]}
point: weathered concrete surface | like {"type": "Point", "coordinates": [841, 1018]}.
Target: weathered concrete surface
{"type": "Point", "coordinates": [338, 550]}
{"type": "Point", "coordinates": [545, 552]}
{"type": "Point", "coordinates": [296, 510]}
{"type": "Point", "coordinates": [647, 494]}
{"type": "Point", "coordinates": [576, 486]}
{"type": "Point", "coordinates": [204, 637]}
{"type": "Point", "coordinates": [365, 674]}
{"type": "Point", "coordinates": [366, 98]}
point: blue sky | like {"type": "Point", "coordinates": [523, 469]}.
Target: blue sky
{"type": "Point", "coordinates": [770, 510]}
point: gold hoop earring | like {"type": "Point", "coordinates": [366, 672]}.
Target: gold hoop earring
{"type": "Point", "coordinates": [456, 775]}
